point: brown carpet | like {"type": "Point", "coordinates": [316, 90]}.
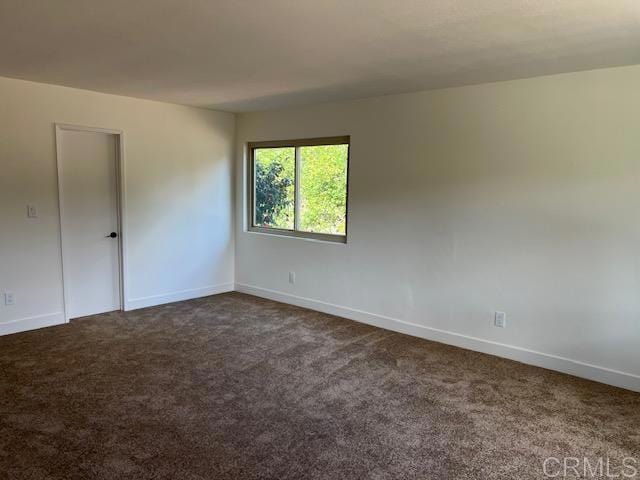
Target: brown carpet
{"type": "Point", "coordinates": [236, 387]}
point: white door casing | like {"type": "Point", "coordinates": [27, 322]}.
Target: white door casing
{"type": "Point", "coordinates": [89, 166]}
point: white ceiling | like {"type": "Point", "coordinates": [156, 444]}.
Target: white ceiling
{"type": "Point", "coordinates": [240, 55]}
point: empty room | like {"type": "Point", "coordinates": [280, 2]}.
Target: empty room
{"type": "Point", "coordinates": [319, 239]}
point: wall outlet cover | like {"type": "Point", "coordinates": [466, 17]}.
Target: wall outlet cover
{"type": "Point", "coordinates": [9, 298]}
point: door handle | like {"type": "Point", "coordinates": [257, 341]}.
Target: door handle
{"type": "Point", "coordinates": [112, 235]}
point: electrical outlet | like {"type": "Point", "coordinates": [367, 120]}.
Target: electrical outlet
{"type": "Point", "coordinates": [500, 319]}
{"type": "Point", "coordinates": [9, 298]}
{"type": "Point", "coordinates": [292, 277]}
{"type": "Point", "coordinates": [32, 211]}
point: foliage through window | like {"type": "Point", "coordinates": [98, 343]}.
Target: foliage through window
{"type": "Point", "coordinates": [299, 187]}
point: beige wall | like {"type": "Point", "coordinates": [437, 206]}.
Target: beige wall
{"type": "Point", "coordinates": [521, 196]}
{"type": "Point", "coordinates": [178, 188]}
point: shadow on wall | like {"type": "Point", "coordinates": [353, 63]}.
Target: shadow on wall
{"type": "Point", "coordinates": [554, 249]}
{"type": "Point", "coordinates": [188, 242]}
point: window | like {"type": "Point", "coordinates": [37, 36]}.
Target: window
{"type": "Point", "coordinates": [299, 188]}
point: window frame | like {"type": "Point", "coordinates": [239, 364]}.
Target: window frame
{"type": "Point", "coordinates": [296, 144]}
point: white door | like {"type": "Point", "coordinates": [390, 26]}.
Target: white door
{"type": "Point", "coordinates": [89, 219]}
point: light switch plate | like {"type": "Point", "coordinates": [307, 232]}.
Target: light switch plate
{"type": "Point", "coordinates": [32, 211]}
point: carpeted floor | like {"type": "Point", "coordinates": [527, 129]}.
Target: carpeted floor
{"type": "Point", "coordinates": [236, 387]}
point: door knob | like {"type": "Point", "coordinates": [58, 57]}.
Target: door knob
{"type": "Point", "coordinates": [112, 235]}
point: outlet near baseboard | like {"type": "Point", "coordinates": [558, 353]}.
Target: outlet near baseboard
{"type": "Point", "coordinates": [9, 298]}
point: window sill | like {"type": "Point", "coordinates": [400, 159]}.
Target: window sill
{"type": "Point", "coordinates": [309, 237]}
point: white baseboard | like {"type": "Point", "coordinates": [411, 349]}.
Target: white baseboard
{"type": "Point", "coordinates": [142, 302]}
{"type": "Point", "coordinates": [530, 357]}
{"type": "Point", "coordinates": [31, 323]}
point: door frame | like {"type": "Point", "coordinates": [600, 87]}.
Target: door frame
{"type": "Point", "coordinates": [120, 207]}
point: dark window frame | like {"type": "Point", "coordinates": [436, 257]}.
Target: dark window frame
{"type": "Point", "coordinates": [295, 232]}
